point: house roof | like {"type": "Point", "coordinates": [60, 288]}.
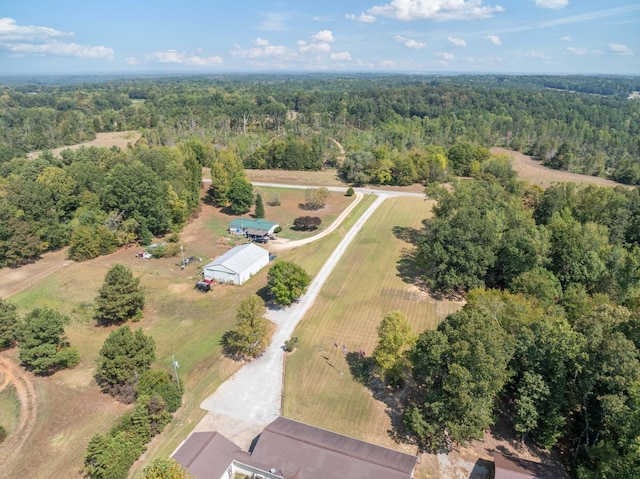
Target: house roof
{"type": "Point", "coordinates": [516, 468]}
{"type": "Point", "coordinates": [206, 454]}
{"type": "Point", "coordinates": [239, 259]}
{"type": "Point", "coordinates": [299, 450]}
{"type": "Point", "coordinates": [258, 224]}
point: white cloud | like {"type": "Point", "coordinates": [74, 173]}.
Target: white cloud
{"type": "Point", "coordinates": [578, 51]}
{"type": "Point", "coordinates": [131, 61]}
{"type": "Point", "coordinates": [363, 17]}
{"type": "Point", "coordinates": [314, 47]}
{"type": "Point", "coordinates": [59, 49]}
{"type": "Point", "coordinates": [534, 54]}
{"type": "Point", "coordinates": [618, 49]}
{"type": "Point", "coordinates": [408, 42]}
{"type": "Point", "coordinates": [458, 42]}
{"type": "Point", "coordinates": [323, 36]}
{"type": "Point", "coordinates": [552, 4]}
{"type": "Point", "coordinates": [410, 10]}
{"type": "Point", "coordinates": [267, 51]}
{"type": "Point", "coordinates": [34, 40]}
{"type": "Point", "coordinates": [261, 42]}
{"type": "Point", "coordinates": [446, 56]}
{"type": "Point", "coordinates": [495, 39]}
{"type": "Point", "coordinates": [566, 38]}
{"type": "Point", "coordinates": [341, 56]}
{"type": "Point", "coordinates": [182, 58]}
{"type": "Point", "coordinates": [387, 63]}
{"type": "Point", "coordinates": [11, 31]}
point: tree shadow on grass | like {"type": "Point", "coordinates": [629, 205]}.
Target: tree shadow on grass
{"type": "Point", "coordinates": [362, 370]}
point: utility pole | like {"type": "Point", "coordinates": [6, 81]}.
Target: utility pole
{"type": "Point", "coordinates": [182, 253]}
{"type": "Point", "coordinates": [175, 370]}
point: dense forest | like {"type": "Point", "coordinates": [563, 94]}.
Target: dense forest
{"type": "Point", "coordinates": [548, 337]}
{"type": "Point", "coordinates": [550, 333]}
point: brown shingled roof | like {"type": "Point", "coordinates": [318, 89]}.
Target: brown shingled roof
{"type": "Point", "coordinates": [206, 454]}
{"type": "Point", "coordinates": [517, 468]}
{"type": "Point", "coordinates": [293, 447]}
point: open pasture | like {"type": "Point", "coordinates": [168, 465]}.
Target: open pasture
{"type": "Point", "coordinates": [319, 387]}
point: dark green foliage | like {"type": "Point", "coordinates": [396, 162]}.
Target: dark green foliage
{"type": "Point", "coordinates": [466, 159]}
{"type": "Point", "coordinates": [307, 223]}
{"type": "Point", "coordinates": [89, 242]}
{"type": "Point", "coordinates": [259, 211]}
{"type": "Point", "coordinates": [250, 336]}
{"type": "Point", "coordinates": [120, 297]}
{"type": "Point", "coordinates": [124, 357]}
{"type": "Point", "coordinates": [287, 154]}
{"type": "Point", "coordinates": [3, 434]}
{"type": "Point", "coordinates": [287, 282]}
{"type": "Point", "coordinates": [350, 191]}
{"type": "Point", "coordinates": [459, 369]}
{"type": "Point", "coordinates": [290, 344]}
{"type": "Point", "coordinates": [160, 382]}
{"type": "Point", "coordinates": [43, 346]}
{"type": "Point", "coordinates": [110, 456]}
{"type": "Point", "coordinates": [240, 195]}
{"type": "Point", "coordinates": [9, 324]}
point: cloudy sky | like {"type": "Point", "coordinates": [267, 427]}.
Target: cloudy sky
{"type": "Point", "coordinates": [416, 36]}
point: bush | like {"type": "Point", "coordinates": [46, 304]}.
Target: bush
{"type": "Point", "coordinates": [307, 223]}
{"type": "Point", "coordinates": [274, 200]}
{"type": "Point", "coordinates": [350, 191]}
{"type": "Point", "coordinates": [3, 434]}
{"type": "Point", "coordinates": [290, 344]}
{"type": "Point", "coordinates": [316, 198]}
{"type": "Point", "coordinates": [278, 229]}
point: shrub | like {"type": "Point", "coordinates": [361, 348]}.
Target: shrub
{"type": "Point", "coordinates": [278, 229]}
{"type": "Point", "coordinates": [274, 200]}
{"type": "Point", "coordinates": [307, 223]}
{"type": "Point", "coordinates": [3, 434]}
{"type": "Point", "coordinates": [290, 344]}
{"type": "Point", "coordinates": [350, 191]}
{"type": "Point", "coordinates": [316, 198]}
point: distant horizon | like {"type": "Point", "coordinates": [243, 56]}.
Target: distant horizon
{"type": "Point", "coordinates": [422, 37]}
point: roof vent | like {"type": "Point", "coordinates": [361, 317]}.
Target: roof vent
{"type": "Point", "coordinates": [273, 470]}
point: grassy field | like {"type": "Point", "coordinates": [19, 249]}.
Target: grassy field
{"type": "Point", "coordinates": [183, 322]}
{"type": "Point", "coordinates": [352, 303]}
{"type": "Point", "coordinates": [9, 408]}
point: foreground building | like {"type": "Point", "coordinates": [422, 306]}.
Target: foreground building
{"type": "Point", "coordinates": [288, 449]}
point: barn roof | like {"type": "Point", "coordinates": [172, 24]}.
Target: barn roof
{"type": "Point", "coordinates": [239, 258]}
{"type": "Point", "coordinates": [296, 448]}
{"type": "Point", "coordinates": [517, 468]}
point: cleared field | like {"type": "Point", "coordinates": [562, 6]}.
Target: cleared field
{"type": "Point", "coordinates": [105, 140]}
{"type": "Point", "coordinates": [352, 303]}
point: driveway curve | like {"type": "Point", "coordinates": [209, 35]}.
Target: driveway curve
{"type": "Point", "coordinates": [244, 404]}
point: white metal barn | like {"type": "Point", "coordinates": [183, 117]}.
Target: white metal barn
{"type": "Point", "coordinates": [237, 265]}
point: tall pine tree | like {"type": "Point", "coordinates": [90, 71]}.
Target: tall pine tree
{"type": "Point", "coordinates": [120, 297]}
{"type": "Point", "coordinates": [259, 211]}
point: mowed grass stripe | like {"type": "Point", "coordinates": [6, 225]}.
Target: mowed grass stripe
{"type": "Point", "coordinates": [362, 288]}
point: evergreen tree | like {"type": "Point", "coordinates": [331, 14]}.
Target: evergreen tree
{"type": "Point", "coordinates": [43, 346]}
{"type": "Point", "coordinates": [120, 297]}
{"type": "Point", "coordinates": [8, 324]}
{"type": "Point", "coordinates": [124, 357]}
{"type": "Point", "coordinates": [259, 211]}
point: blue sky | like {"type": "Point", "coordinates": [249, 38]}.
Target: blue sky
{"type": "Point", "coordinates": [413, 36]}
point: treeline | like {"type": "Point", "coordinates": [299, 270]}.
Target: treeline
{"type": "Point", "coordinates": [548, 338]}
{"type": "Point", "coordinates": [536, 115]}
{"type": "Point", "coordinates": [96, 199]}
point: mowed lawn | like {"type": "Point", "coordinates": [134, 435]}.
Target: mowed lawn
{"type": "Point", "coordinates": [363, 287]}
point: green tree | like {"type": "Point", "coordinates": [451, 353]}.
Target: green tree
{"type": "Point", "coordinates": [160, 382]}
{"type": "Point", "coordinates": [350, 191]}
{"type": "Point", "coordinates": [165, 468]}
{"type": "Point", "coordinates": [110, 456]}
{"type": "Point", "coordinates": [125, 355]}
{"type": "Point", "coordinates": [287, 282]}
{"type": "Point", "coordinates": [316, 198]}
{"type": "Point", "coordinates": [395, 338]}
{"type": "Point", "coordinates": [240, 195]}
{"type": "Point", "coordinates": [259, 211]}
{"type": "Point", "coordinates": [250, 336]}
{"type": "Point", "coordinates": [9, 324]}
{"type": "Point", "coordinates": [43, 346]}
{"type": "Point", "coordinates": [120, 297]}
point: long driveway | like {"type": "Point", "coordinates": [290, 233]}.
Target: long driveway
{"type": "Point", "coordinates": [243, 405]}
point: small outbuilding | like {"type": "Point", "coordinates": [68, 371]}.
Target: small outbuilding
{"type": "Point", "coordinates": [508, 467]}
{"type": "Point", "coordinates": [237, 265]}
{"type": "Point", "coordinates": [252, 228]}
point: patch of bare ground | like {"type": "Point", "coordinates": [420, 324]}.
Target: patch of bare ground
{"type": "Point", "coordinates": [14, 280]}
{"type": "Point", "coordinates": [534, 171]}
{"type": "Point", "coordinates": [121, 139]}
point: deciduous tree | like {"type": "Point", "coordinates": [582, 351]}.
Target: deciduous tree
{"type": "Point", "coordinates": [9, 324]}
{"type": "Point", "coordinates": [240, 195]}
{"type": "Point", "coordinates": [287, 282]}
{"type": "Point", "coordinates": [395, 338]}
{"type": "Point", "coordinates": [250, 336]}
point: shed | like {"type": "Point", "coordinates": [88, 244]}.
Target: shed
{"type": "Point", "coordinates": [516, 468]}
{"type": "Point", "coordinates": [237, 265]}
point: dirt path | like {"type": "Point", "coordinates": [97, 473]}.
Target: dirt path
{"type": "Point", "coordinates": [14, 280]}
{"type": "Point", "coordinates": [11, 374]}
{"type": "Point", "coordinates": [341, 148]}
{"type": "Point", "coordinates": [282, 244]}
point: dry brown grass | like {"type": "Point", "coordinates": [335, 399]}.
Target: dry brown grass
{"type": "Point", "coordinates": [121, 139]}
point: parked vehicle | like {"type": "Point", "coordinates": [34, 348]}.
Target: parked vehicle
{"type": "Point", "coordinates": [203, 286]}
